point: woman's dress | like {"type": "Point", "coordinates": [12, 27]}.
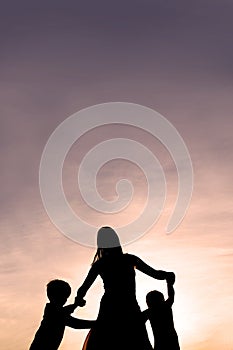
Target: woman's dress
{"type": "Point", "coordinates": [120, 324]}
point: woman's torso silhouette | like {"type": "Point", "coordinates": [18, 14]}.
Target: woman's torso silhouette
{"type": "Point", "coordinates": [119, 324]}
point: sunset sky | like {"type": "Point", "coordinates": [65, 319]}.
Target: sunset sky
{"type": "Point", "coordinates": [175, 56]}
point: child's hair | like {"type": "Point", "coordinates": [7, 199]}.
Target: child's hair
{"type": "Point", "coordinates": [154, 297]}
{"type": "Point", "coordinates": [57, 288]}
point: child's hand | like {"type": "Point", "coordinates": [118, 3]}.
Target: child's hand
{"type": "Point", "coordinates": [80, 302]}
{"type": "Point", "coordinates": [170, 277]}
{"type": "Point", "coordinates": [69, 309]}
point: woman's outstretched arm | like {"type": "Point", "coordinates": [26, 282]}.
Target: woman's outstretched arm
{"type": "Point", "coordinates": [92, 274]}
{"type": "Point", "coordinates": [150, 271]}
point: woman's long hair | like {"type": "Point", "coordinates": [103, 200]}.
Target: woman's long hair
{"type": "Point", "coordinates": [108, 243]}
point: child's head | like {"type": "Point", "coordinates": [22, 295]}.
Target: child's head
{"type": "Point", "coordinates": [154, 298]}
{"type": "Point", "coordinates": [58, 291]}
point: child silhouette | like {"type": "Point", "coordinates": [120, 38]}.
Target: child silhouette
{"type": "Point", "coordinates": [56, 317]}
{"type": "Point", "coordinates": [160, 315]}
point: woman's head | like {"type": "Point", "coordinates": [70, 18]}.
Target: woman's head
{"type": "Point", "coordinates": [108, 243]}
{"type": "Point", "coordinates": [107, 238]}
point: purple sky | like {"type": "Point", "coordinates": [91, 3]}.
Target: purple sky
{"type": "Point", "coordinates": [58, 57]}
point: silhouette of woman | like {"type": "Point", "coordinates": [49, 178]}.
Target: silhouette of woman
{"type": "Point", "coordinates": [120, 323]}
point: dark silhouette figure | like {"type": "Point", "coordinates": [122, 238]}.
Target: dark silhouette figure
{"type": "Point", "coordinates": [159, 313]}
{"type": "Point", "coordinates": [56, 317]}
{"type": "Point", "coordinates": [120, 323]}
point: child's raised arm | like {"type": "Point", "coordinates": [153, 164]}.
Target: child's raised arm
{"type": "Point", "coordinates": [69, 309]}
{"type": "Point", "coordinates": [170, 290]}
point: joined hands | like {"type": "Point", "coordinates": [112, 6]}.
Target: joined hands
{"type": "Point", "coordinates": [79, 301]}
{"type": "Point", "coordinates": [171, 277]}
